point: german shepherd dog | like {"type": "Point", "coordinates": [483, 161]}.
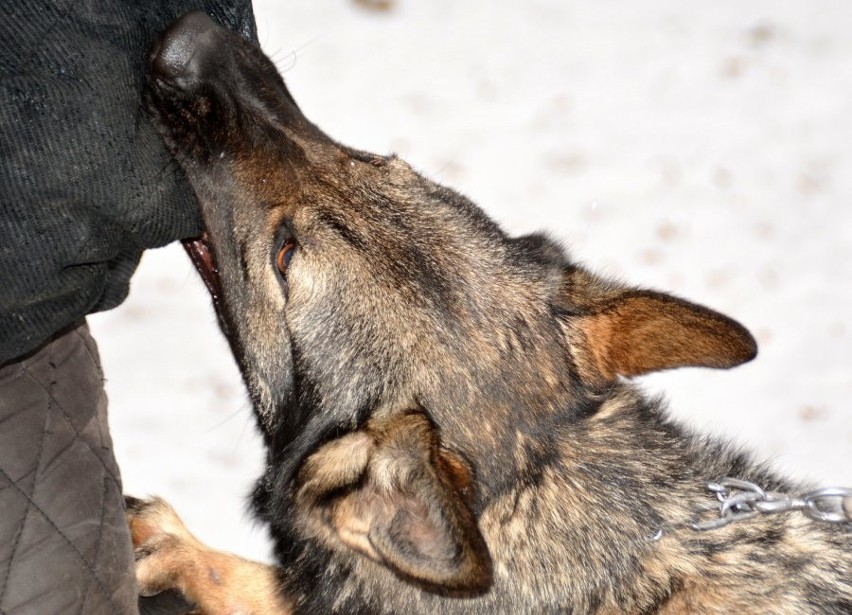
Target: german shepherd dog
{"type": "Point", "coordinates": [446, 409]}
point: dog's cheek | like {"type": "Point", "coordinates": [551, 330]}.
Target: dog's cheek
{"type": "Point", "coordinates": [267, 366]}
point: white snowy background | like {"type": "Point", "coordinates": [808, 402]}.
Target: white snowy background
{"type": "Point", "coordinates": [697, 147]}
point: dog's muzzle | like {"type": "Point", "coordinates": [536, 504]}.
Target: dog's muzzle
{"type": "Point", "coordinates": [175, 60]}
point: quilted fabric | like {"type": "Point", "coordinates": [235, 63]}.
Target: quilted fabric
{"type": "Point", "coordinates": [85, 183]}
{"type": "Point", "coordinates": [64, 542]}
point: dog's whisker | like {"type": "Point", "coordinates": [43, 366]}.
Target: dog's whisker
{"type": "Point", "coordinates": [246, 423]}
{"type": "Point", "coordinates": [293, 54]}
{"type": "Point", "coordinates": [242, 410]}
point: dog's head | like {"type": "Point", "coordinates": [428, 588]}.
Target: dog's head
{"type": "Point", "coordinates": [355, 291]}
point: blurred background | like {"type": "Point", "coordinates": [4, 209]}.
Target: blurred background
{"type": "Point", "coordinates": [700, 148]}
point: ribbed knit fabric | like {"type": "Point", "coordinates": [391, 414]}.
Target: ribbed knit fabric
{"type": "Point", "coordinates": [85, 184]}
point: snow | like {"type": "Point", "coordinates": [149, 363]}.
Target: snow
{"type": "Point", "coordinates": [700, 148]}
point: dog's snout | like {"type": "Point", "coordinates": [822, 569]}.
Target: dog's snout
{"type": "Point", "coordinates": [176, 56]}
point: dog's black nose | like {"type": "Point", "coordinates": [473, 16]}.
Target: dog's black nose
{"type": "Point", "coordinates": [175, 56]}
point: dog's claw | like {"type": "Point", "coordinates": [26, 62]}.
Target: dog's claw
{"type": "Point", "coordinates": [157, 533]}
{"type": "Point", "coordinates": [142, 552]}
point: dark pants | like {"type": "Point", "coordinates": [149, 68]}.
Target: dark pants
{"type": "Point", "coordinates": [64, 543]}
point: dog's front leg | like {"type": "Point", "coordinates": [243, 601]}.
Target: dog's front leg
{"type": "Point", "coordinates": [169, 557]}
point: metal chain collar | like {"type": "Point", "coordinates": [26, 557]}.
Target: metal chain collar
{"type": "Point", "coordinates": [740, 499]}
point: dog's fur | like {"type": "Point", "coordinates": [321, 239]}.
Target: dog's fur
{"type": "Point", "coordinates": [448, 423]}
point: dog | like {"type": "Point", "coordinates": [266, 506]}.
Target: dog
{"type": "Point", "coordinates": [447, 411]}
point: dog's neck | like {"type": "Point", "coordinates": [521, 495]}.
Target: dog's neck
{"type": "Point", "coordinates": [618, 469]}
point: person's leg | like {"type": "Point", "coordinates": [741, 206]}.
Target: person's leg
{"type": "Point", "coordinates": [64, 541]}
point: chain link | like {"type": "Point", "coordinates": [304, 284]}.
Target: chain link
{"type": "Point", "coordinates": [741, 499]}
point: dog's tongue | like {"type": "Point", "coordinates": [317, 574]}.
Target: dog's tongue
{"type": "Point", "coordinates": [200, 255]}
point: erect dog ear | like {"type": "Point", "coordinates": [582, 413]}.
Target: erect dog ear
{"type": "Point", "coordinates": [625, 332]}
{"type": "Point", "coordinates": [390, 492]}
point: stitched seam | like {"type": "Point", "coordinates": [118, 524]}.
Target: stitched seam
{"type": "Point", "coordinates": [11, 416]}
{"type": "Point", "coordinates": [91, 347]}
{"type": "Point", "coordinates": [77, 435]}
{"type": "Point", "coordinates": [29, 497]}
{"type": "Point", "coordinates": [91, 352]}
{"type": "Point", "coordinates": [97, 544]}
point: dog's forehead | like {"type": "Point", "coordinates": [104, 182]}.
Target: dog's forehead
{"type": "Point", "coordinates": [307, 182]}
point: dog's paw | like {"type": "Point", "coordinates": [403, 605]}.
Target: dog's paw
{"type": "Point", "coordinates": [162, 545]}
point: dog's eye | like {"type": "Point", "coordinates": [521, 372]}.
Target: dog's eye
{"type": "Point", "coordinates": [285, 255]}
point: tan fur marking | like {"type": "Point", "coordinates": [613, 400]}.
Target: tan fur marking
{"type": "Point", "coordinates": [217, 583]}
{"type": "Point", "coordinates": [335, 465]}
{"type": "Point", "coordinates": [404, 487]}
{"type": "Point", "coordinates": [641, 333]}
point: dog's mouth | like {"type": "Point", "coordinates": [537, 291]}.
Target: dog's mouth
{"type": "Point", "coordinates": [202, 258]}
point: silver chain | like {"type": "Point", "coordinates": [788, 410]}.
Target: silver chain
{"type": "Point", "coordinates": [741, 499]}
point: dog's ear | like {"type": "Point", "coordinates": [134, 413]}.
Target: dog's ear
{"type": "Point", "coordinates": [389, 492]}
{"type": "Point", "coordinates": [625, 332]}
